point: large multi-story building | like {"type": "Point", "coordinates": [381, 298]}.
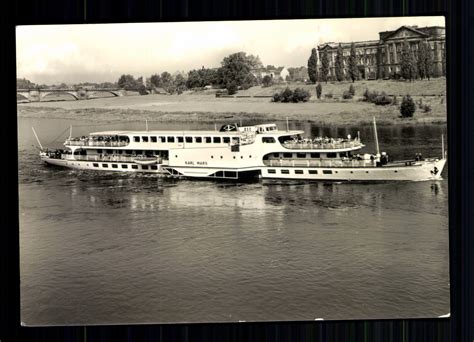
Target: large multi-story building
{"type": "Point", "coordinates": [380, 58]}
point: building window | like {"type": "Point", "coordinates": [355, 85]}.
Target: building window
{"type": "Point", "coordinates": [154, 167]}
{"type": "Point", "coordinates": [301, 155]}
{"type": "Point", "coordinates": [331, 155]}
{"type": "Point", "coordinates": [327, 172]}
{"type": "Point", "coordinates": [124, 166]}
{"type": "Point", "coordinates": [208, 140]}
{"type": "Point", "coordinates": [180, 139]}
{"type": "Point", "coordinates": [271, 171]}
{"type": "Point", "coordinates": [235, 140]}
{"type": "Point", "coordinates": [145, 139]}
{"type": "Point", "coordinates": [135, 167]}
{"type": "Point", "coordinates": [313, 172]}
{"type": "Point", "coordinates": [105, 165]}
{"type": "Point", "coordinates": [95, 165]}
{"type": "Point", "coordinates": [315, 155]}
{"type": "Point", "coordinates": [189, 139]}
{"type": "Point", "coordinates": [285, 172]}
{"type": "Point", "coordinates": [114, 166]}
{"type": "Point", "coordinates": [144, 167]}
{"type": "Point", "coordinates": [153, 139]}
{"type": "Point", "coordinates": [171, 139]}
{"type": "Point", "coordinates": [287, 155]}
{"type": "Point", "coordinates": [198, 139]}
{"type": "Point", "coordinates": [226, 140]}
{"type": "Point", "coordinates": [216, 140]}
{"type": "Point", "coordinates": [162, 139]}
{"type": "Point", "coordinates": [299, 172]}
{"type": "Point", "coordinates": [99, 151]}
{"type": "Point", "coordinates": [136, 139]}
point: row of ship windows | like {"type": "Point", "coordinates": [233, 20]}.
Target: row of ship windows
{"type": "Point", "coordinates": [300, 172]}
{"type": "Point", "coordinates": [311, 155]}
{"type": "Point", "coordinates": [125, 166]}
{"type": "Point", "coordinates": [311, 172]}
{"type": "Point", "coordinates": [189, 140]}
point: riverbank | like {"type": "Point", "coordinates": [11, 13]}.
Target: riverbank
{"type": "Point", "coordinates": [199, 108]}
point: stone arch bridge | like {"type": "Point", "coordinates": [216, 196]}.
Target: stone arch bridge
{"type": "Point", "coordinates": [38, 95]}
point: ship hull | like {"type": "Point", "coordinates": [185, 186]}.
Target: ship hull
{"type": "Point", "coordinates": [418, 171]}
{"type": "Point", "coordinates": [415, 171]}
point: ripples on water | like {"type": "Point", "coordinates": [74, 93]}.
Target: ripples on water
{"type": "Point", "coordinates": [128, 248]}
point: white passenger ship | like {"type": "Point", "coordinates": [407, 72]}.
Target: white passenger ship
{"type": "Point", "coordinates": [236, 152]}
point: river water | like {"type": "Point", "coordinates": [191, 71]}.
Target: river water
{"type": "Point", "coordinates": [111, 248]}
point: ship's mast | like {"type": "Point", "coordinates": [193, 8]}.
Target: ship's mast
{"type": "Point", "coordinates": [376, 138]}
{"type": "Point", "coordinates": [443, 155]}
{"type": "Point", "coordinates": [37, 139]}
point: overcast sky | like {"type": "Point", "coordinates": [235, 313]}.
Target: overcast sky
{"type": "Point", "coordinates": [102, 52]}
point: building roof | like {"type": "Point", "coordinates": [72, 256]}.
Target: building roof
{"type": "Point", "coordinates": [385, 35]}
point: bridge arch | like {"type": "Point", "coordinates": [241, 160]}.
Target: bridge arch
{"type": "Point", "coordinates": [73, 94]}
{"type": "Point", "coordinates": [22, 96]}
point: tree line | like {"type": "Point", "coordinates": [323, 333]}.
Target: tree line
{"type": "Point", "coordinates": [236, 71]}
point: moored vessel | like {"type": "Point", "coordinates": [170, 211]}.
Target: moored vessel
{"type": "Point", "coordinates": [236, 152]}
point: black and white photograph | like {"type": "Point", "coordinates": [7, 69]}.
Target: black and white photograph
{"type": "Point", "coordinates": [233, 171]}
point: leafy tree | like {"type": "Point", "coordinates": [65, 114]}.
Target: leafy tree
{"type": "Point", "coordinates": [208, 77]}
{"type": "Point", "coordinates": [155, 80]}
{"type": "Point", "coordinates": [407, 108]}
{"type": "Point", "coordinates": [339, 64]}
{"type": "Point", "coordinates": [194, 79]}
{"type": "Point", "coordinates": [267, 81]}
{"type": "Point", "coordinates": [408, 62]}
{"type": "Point", "coordinates": [300, 95]}
{"type": "Point", "coordinates": [428, 61]}
{"type": "Point", "coordinates": [421, 60]}
{"type": "Point", "coordinates": [351, 90]}
{"type": "Point", "coordinates": [405, 61]}
{"type": "Point", "coordinates": [319, 90]}
{"type": "Point", "coordinates": [236, 69]}
{"type": "Point", "coordinates": [286, 95]}
{"type": "Point", "coordinates": [313, 66]}
{"type": "Point", "coordinates": [443, 62]}
{"type": "Point", "coordinates": [179, 83]}
{"type": "Point", "coordinates": [23, 83]}
{"type": "Point", "coordinates": [324, 71]}
{"type": "Point", "coordinates": [166, 79]}
{"type": "Point", "coordinates": [231, 87]}
{"type": "Point", "coordinates": [127, 82]}
{"type": "Point", "coordinates": [249, 81]}
{"type": "Point", "coordinates": [352, 69]}
{"type": "Point", "coordinates": [413, 66]}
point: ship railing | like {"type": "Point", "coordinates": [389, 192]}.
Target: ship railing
{"type": "Point", "coordinates": [303, 145]}
{"type": "Point", "coordinates": [319, 163]}
{"type": "Point", "coordinates": [108, 158]}
{"type": "Point", "coordinates": [96, 143]}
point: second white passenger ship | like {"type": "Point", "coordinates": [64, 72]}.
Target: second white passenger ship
{"type": "Point", "coordinates": [236, 152]}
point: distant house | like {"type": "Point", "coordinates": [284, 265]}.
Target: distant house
{"type": "Point", "coordinates": [284, 73]}
{"type": "Point", "coordinates": [279, 73]}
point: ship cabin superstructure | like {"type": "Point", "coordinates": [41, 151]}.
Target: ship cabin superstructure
{"type": "Point", "coordinates": [223, 154]}
{"type": "Point", "coordinates": [235, 152]}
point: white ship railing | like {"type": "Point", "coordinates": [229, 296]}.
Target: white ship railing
{"type": "Point", "coordinates": [96, 143]}
{"type": "Point", "coordinates": [321, 145]}
{"type": "Point", "coordinates": [319, 163]}
{"type": "Point", "coordinates": [108, 158]}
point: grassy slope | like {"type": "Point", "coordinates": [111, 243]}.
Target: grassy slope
{"type": "Point", "coordinates": [436, 86]}
{"type": "Point", "coordinates": [199, 107]}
